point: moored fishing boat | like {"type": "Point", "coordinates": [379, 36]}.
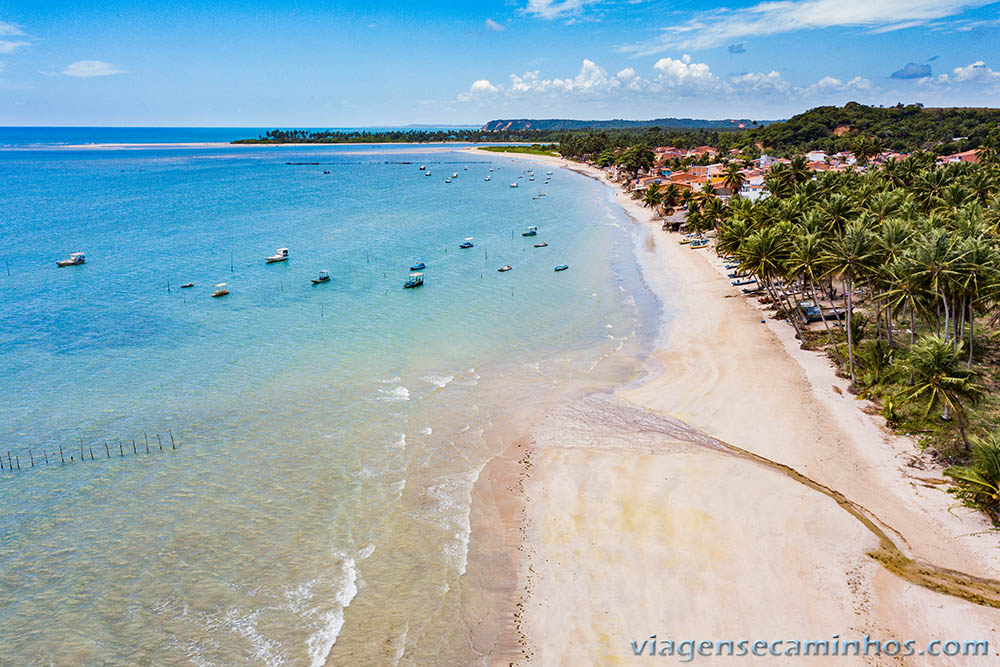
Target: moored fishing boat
{"type": "Point", "coordinates": [74, 259]}
{"type": "Point", "coordinates": [220, 290]}
{"type": "Point", "coordinates": [323, 277]}
{"type": "Point", "coordinates": [418, 264]}
{"type": "Point", "coordinates": [541, 245]}
{"type": "Point", "coordinates": [467, 243]}
{"type": "Point", "coordinates": [530, 231]}
{"type": "Point", "coordinates": [415, 280]}
{"type": "Point", "coordinates": [562, 267]}
{"type": "Point", "coordinates": [280, 255]}
{"type": "Point", "coordinates": [505, 268]}
{"type": "Point", "coordinates": [187, 285]}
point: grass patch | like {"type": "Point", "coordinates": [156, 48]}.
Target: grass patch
{"type": "Point", "coordinates": [534, 149]}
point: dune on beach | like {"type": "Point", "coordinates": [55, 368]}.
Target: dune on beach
{"type": "Point", "coordinates": [631, 524]}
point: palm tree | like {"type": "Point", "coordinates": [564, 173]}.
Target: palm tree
{"type": "Point", "coordinates": [798, 170]}
{"type": "Point", "coordinates": [732, 178]}
{"type": "Point", "coordinates": [978, 484]}
{"type": "Point", "coordinates": [940, 381]}
{"type": "Point", "coordinates": [805, 261]}
{"type": "Point", "coordinates": [652, 197]}
{"type": "Point", "coordinates": [848, 258]}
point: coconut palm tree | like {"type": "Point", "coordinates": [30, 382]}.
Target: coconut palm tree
{"type": "Point", "coordinates": [732, 178]}
{"type": "Point", "coordinates": [805, 262]}
{"type": "Point", "coordinates": [652, 197]}
{"type": "Point", "coordinates": [978, 484]}
{"type": "Point", "coordinates": [848, 258]}
{"type": "Point", "coordinates": [940, 382]}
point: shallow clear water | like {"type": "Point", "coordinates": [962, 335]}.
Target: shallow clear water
{"type": "Point", "coordinates": [317, 507]}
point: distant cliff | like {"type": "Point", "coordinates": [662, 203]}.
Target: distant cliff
{"type": "Point", "coordinates": [550, 124]}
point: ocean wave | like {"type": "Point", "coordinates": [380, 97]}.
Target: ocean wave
{"type": "Point", "coordinates": [320, 643]}
{"type": "Point", "coordinates": [394, 395]}
{"type": "Point", "coordinates": [439, 381]}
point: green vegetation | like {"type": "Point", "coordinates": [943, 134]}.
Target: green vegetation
{"type": "Point", "coordinates": [911, 251]}
{"type": "Point", "coordinates": [534, 149]}
{"type": "Point", "coordinates": [899, 128]}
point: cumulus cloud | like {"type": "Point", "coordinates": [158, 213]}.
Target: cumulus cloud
{"type": "Point", "coordinates": [976, 72]}
{"type": "Point", "coordinates": [554, 9]}
{"type": "Point", "coordinates": [737, 48]}
{"type": "Point", "coordinates": [493, 25]}
{"type": "Point", "coordinates": [86, 69]}
{"type": "Point", "coordinates": [716, 27]}
{"type": "Point", "coordinates": [912, 71]}
{"type": "Point", "coordinates": [675, 78]}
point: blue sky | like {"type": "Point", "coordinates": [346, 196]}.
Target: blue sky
{"type": "Point", "coordinates": [312, 63]}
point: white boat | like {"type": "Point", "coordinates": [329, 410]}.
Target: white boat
{"type": "Point", "coordinates": [530, 231]}
{"type": "Point", "coordinates": [220, 290]}
{"type": "Point", "coordinates": [415, 280]}
{"type": "Point", "coordinates": [423, 167]}
{"type": "Point", "coordinates": [427, 173]}
{"type": "Point", "coordinates": [447, 180]}
{"type": "Point", "coordinates": [280, 255]}
{"type": "Point", "coordinates": [323, 277]}
{"type": "Point", "coordinates": [465, 169]}
{"type": "Point", "coordinates": [74, 259]}
{"type": "Point", "coordinates": [491, 168]}
{"type": "Point", "coordinates": [488, 178]}
{"type": "Point", "coordinates": [455, 175]}
{"type": "Point", "coordinates": [513, 185]}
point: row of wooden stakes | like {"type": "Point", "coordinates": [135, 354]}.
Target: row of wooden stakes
{"type": "Point", "coordinates": [12, 463]}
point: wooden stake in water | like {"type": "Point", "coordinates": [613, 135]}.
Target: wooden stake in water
{"type": "Point", "coordinates": [61, 457]}
{"type": "Point", "coordinates": [8, 266]}
{"type": "Point", "coordinates": [106, 450]}
{"type": "Point", "coordinates": [160, 442]}
{"type": "Point", "coordinates": [230, 261]}
{"type": "Point", "coordinates": [172, 445]}
{"type": "Point", "coordinates": [147, 442]}
{"type": "Point", "coordinates": [32, 457]}
{"type": "Point", "coordinates": [367, 260]}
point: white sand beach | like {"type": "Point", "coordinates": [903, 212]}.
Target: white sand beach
{"type": "Point", "coordinates": [631, 524]}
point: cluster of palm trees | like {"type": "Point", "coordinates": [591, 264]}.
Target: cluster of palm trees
{"type": "Point", "coordinates": [910, 248]}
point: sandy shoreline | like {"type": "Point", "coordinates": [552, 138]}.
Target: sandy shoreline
{"type": "Point", "coordinates": [626, 525]}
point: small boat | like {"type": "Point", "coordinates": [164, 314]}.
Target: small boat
{"type": "Point", "coordinates": [731, 266]}
{"type": "Point", "coordinates": [488, 178]}
{"type": "Point", "coordinates": [418, 264]}
{"type": "Point", "coordinates": [505, 268]}
{"type": "Point", "coordinates": [548, 173]}
{"type": "Point", "coordinates": [455, 175]}
{"type": "Point", "coordinates": [532, 178]}
{"type": "Point", "coordinates": [513, 185]}
{"type": "Point", "coordinates": [520, 176]}
{"type": "Point", "coordinates": [465, 169]}
{"type": "Point", "coordinates": [427, 173]}
{"type": "Point", "coordinates": [684, 241]}
{"type": "Point", "coordinates": [326, 172]}
{"type": "Point", "coordinates": [323, 277]}
{"type": "Point", "coordinates": [530, 231]}
{"type": "Point", "coordinates": [220, 290]}
{"type": "Point", "coordinates": [423, 167]}
{"type": "Point", "coordinates": [280, 255]}
{"type": "Point", "coordinates": [743, 281]}
{"type": "Point", "coordinates": [562, 267]}
{"type": "Point", "coordinates": [447, 180]}
{"type": "Point", "coordinates": [467, 243]}
{"type": "Point", "coordinates": [491, 169]}
{"type": "Point", "coordinates": [186, 285]}
{"type": "Point", "coordinates": [74, 259]}
{"type": "Point", "coordinates": [541, 245]}
{"type": "Point", "coordinates": [415, 280]}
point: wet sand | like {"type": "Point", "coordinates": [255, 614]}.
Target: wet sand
{"type": "Point", "coordinates": [626, 522]}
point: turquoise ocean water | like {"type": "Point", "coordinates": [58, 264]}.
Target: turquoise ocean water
{"type": "Point", "coordinates": [317, 509]}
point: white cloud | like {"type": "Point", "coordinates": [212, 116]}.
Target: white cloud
{"type": "Point", "coordinates": [9, 29]}
{"type": "Point", "coordinates": [830, 85]}
{"type": "Point", "coordinates": [722, 26]}
{"type": "Point", "coordinates": [684, 76]}
{"type": "Point", "coordinates": [671, 79]}
{"type": "Point", "coordinates": [973, 73]}
{"type": "Point", "coordinates": [10, 47]}
{"type": "Point", "coordinates": [479, 90]}
{"type": "Point", "coordinates": [592, 80]}
{"type": "Point", "coordinates": [554, 9]}
{"type": "Point", "coordinates": [493, 25]}
{"type": "Point", "coordinates": [85, 69]}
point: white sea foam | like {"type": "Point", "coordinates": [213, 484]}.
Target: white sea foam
{"type": "Point", "coordinates": [427, 430]}
{"type": "Point", "coordinates": [452, 496]}
{"type": "Point", "coordinates": [392, 380]}
{"type": "Point", "coordinates": [394, 395]}
{"type": "Point", "coordinates": [439, 381]}
{"type": "Point", "coordinates": [331, 621]}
